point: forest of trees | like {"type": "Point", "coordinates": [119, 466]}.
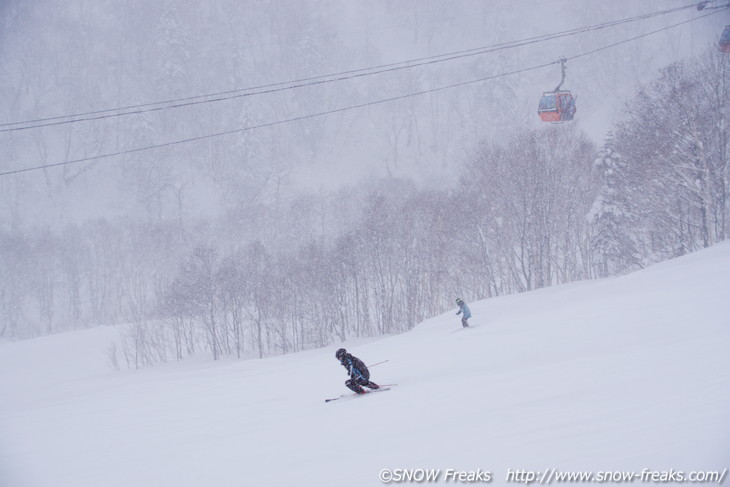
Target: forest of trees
{"type": "Point", "coordinates": [542, 208]}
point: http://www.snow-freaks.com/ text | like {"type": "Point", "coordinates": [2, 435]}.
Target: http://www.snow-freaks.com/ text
{"type": "Point", "coordinates": [549, 476]}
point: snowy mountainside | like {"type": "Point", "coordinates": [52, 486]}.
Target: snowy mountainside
{"type": "Point", "coordinates": [620, 374]}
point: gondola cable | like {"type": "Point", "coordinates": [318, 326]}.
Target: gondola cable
{"type": "Point", "coordinates": [311, 81]}
{"type": "Point", "coordinates": [337, 110]}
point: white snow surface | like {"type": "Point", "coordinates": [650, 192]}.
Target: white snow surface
{"type": "Point", "coordinates": [619, 374]}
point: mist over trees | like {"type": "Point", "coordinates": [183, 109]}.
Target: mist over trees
{"type": "Point", "coordinates": [545, 207]}
{"type": "Point", "coordinates": [673, 148]}
{"type": "Point", "coordinates": [267, 270]}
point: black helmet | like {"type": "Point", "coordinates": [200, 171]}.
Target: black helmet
{"type": "Point", "coordinates": [340, 353]}
{"type": "Point", "coordinates": [459, 301]}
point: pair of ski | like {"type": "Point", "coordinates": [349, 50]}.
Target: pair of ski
{"type": "Point", "coordinates": [383, 388]}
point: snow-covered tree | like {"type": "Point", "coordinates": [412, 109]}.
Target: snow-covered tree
{"type": "Point", "coordinates": [613, 226]}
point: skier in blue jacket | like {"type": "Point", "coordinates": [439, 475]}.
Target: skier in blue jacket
{"type": "Point", "coordinates": [464, 311]}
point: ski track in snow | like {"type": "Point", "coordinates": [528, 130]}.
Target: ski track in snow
{"type": "Point", "coordinates": [620, 374]}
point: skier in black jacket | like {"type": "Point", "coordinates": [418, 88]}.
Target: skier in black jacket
{"type": "Point", "coordinates": [359, 373]}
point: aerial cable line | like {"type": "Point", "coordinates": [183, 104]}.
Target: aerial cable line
{"type": "Point", "coordinates": [277, 122]}
{"type": "Point", "coordinates": [337, 110]}
{"type": "Point", "coordinates": [725, 7]}
{"type": "Point", "coordinates": [313, 80]}
{"type": "Point", "coordinates": [316, 80]}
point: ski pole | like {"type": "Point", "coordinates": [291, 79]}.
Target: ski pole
{"type": "Point", "coordinates": [377, 364]}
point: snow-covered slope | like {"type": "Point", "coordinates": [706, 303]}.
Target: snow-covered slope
{"type": "Point", "coordinates": [621, 375]}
